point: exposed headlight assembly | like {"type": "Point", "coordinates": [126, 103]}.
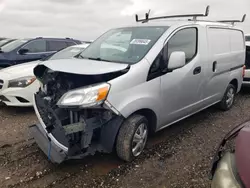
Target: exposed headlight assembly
{"type": "Point", "coordinates": [89, 96]}
{"type": "Point", "coordinates": [22, 82]}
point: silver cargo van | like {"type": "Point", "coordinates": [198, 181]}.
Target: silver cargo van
{"type": "Point", "coordinates": [132, 81]}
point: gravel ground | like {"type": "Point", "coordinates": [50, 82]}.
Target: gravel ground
{"type": "Point", "coordinates": [178, 156]}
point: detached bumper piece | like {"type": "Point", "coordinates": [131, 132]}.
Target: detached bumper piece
{"type": "Point", "coordinates": [54, 153]}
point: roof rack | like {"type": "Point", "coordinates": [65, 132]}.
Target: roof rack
{"type": "Point", "coordinates": [173, 16]}
{"type": "Point", "coordinates": [234, 21]}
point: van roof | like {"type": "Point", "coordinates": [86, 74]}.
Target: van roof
{"type": "Point", "coordinates": [181, 23]}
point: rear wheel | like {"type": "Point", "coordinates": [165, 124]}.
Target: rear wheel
{"type": "Point", "coordinates": [132, 137]}
{"type": "Point", "coordinates": [228, 98]}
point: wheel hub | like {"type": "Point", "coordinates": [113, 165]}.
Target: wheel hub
{"type": "Point", "coordinates": [139, 139]}
{"type": "Point", "coordinates": [230, 97]}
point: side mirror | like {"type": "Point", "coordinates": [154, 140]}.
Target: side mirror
{"type": "Point", "coordinates": [23, 51]}
{"type": "Point", "coordinates": [176, 60]}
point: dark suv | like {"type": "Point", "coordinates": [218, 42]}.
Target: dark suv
{"type": "Point", "coordinates": [25, 50]}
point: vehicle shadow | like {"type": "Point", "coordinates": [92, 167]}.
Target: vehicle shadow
{"type": "Point", "coordinates": [9, 110]}
{"type": "Point", "coordinates": [245, 90]}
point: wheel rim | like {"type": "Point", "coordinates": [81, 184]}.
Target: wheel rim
{"type": "Point", "coordinates": [230, 97]}
{"type": "Point", "coordinates": [139, 139]}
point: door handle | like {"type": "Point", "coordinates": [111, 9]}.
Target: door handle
{"type": "Point", "coordinates": [214, 66]}
{"type": "Point", "coordinates": [197, 70]}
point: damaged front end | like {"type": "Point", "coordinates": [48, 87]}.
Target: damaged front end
{"type": "Point", "coordinates": [75, 118]}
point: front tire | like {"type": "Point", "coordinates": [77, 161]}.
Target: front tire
{"type": "Point", "coordinates": [132, 137]}
{"type": "Point", "coordinates": [228, 98]}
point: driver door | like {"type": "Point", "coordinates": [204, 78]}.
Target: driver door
{"type": "Point", "coordinates": [181, 90]}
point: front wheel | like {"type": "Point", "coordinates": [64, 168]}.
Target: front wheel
{"type": "Point", "coordinates": [228, 98]}
{"type": "Point", "coordinates": [132, 137]}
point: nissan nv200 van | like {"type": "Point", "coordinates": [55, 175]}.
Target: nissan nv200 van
{"type": "Point", "coordinates": [157, 73]}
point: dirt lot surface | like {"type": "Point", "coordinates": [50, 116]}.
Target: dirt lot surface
{"type": "Point", "coordinates": [179, 156]}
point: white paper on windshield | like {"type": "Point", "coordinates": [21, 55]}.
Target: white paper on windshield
{"type": "Point", "coordinates": [140, 41]}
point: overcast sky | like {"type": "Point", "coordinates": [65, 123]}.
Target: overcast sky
{"type": "Point", "coordinates": [87, 19]}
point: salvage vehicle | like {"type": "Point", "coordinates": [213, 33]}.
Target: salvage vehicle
{"type": "Point", "coordinates": [26, 50]}
{"type": "Point", "coordinates": [231, 167]}
{"type": "Point", "coordinates": [104, 102]}
{"type": "Point", "coordinates": [18, 83]}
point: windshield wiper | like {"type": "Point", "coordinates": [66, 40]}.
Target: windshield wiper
{"type": "Point", "coordinates": [92, 58]}
{"type": "Point", "coordinates": [98, 59]}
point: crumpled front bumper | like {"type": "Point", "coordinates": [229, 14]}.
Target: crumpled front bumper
{"type": "Point", "coordinates": [55, 154]}
{"type": "Point", "coordinates": [56, 145]}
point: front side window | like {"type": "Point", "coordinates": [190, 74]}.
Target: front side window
{"type": "Point", "coordinates": [36, 46]}
{"type": "Point", "coordinates": [70, 43]}
{"type": "Point", "coordinates": [247, 38]}
{"type": "Point", "coordinates": [124, 45]}
{"type": "Point", "coordinates": [184, 40]}
{"type": "Point", "coordinates": [56, 45]}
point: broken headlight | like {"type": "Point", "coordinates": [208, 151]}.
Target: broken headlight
{"type": "Point", "coordinates": [22, 82]}
{"type": "Point", "coordinates": [92, 95]}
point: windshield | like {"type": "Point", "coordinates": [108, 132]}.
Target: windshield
{"type": "Point", "coordinates": [13, 45]}
{"type": "Point", "coordinates": [124, 45]}
{"type": "Point", "coordinates": [5, 41]}
{"type": "Point", "coordinates": [67, 53]}
{"type": "Point", "coordinates": [248, 38]}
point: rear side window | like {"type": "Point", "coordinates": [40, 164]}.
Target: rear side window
{"type": "Point", "coordinates": [248, 38]}
{"type": "Point", "coordinates": [36, 46]}
{"type": "Point", "coordinates": [56, 45]}
{"type": "Point", "coordinates": [184, 40]}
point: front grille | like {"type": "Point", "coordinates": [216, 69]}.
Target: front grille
{"type": "Point", "coordinates": [1, 84]}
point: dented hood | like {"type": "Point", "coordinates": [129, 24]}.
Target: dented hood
{"type": "Point", "coordinates": [81, 66]}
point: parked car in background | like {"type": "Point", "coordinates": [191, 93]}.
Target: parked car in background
{"type": "Point", "coordinates": [18, 83]}
{"type": "Point", "coordinates": [231, 167]}
{"type": "Point", "coordinates": [246, 79]}
{"type": "Point", "coordinates": [26, 50]}
{"type": "Point", "coordinates": [154, 74]}
{"type": "Point", "coordinates": [5, 41]}
{"type": "Point", "coordinates": [247, 37]}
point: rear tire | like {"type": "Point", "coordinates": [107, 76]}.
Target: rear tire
{"type": "Point", "coordinates": [132, 137]}
{"type": "Point", "coordinates": [228, 98]}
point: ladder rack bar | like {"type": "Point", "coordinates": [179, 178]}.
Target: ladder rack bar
{"type": "Point", "coordinates": [234, 21]}
{"type": "Point", "coordinates": [173, 16]}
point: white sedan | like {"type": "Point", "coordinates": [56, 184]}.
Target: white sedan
{"type": "Point", "coordinates": [18, 83]}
